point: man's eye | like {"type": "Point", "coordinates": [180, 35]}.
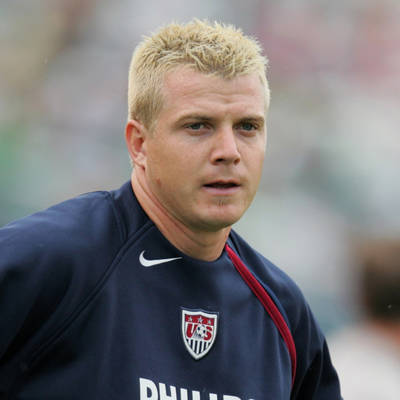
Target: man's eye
{"type": "Point", "coordinates": [196, 126]}
{"type": "Point", "coordinates": [247, 126]}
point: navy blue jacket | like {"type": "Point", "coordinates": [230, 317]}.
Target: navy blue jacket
{"type": "Point", "coordinates": [89, 311]}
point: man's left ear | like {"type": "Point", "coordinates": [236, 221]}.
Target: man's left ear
{"type": "Point", "coordinates": [135, 142]}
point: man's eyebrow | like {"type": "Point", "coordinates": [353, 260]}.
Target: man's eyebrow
{"type": "Point", "coordinates": [202, 117]}
{"type": "Point", "coordinates": [197, 117]}
{"type": "Point", "coordinates": [256, 119]}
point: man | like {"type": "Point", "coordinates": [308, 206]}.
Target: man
{"type": "Point", "coordinates": [145, 292]}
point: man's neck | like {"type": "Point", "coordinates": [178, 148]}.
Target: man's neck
{"type": "Point", "coordinates": [203, 245]}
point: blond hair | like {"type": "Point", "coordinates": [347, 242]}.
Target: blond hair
{"type": "Point", "coordinates": [214, 49]}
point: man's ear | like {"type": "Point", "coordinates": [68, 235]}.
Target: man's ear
{"type": "Point", "coordinates": [135, 137]}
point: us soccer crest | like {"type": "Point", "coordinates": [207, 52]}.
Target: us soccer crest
{"type": "Point", "coordinates": [199, 330]}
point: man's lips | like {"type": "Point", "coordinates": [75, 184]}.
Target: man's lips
{"type": "Point", "coordinates": [222, 186]}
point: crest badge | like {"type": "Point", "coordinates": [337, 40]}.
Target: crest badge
{"type": "Point", "coordinates": [199, 330]}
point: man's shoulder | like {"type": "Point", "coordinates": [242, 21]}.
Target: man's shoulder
{"type": "Point", "coordinates": [281, 287]}
{"type": "Point", "coordinates": [65, 225]}
{"type": "Point", "coordinates": [263, 268]}
{"type": "Point", "coordinates": [87, 230]}
{"type": "Point", "coordinates": [78, 223]}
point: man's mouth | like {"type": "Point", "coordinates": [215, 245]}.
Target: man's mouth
{"type": "Point", "coordinates": [222, 185]}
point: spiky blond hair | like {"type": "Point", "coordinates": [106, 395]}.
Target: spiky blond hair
{"type": "Point", "coordinates": [210, 48]}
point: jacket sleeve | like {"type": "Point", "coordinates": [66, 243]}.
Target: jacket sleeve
{"type": "Point", "coordinates": [32, 282]}
{"type": "Point", "coordinates": [50, 263]}
{"type": "Point", "coordinates": [316, 377]}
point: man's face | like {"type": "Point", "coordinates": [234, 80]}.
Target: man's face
{"type": "Point", "coordinates": [203, 161]}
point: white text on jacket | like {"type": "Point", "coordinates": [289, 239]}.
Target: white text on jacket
{"type": "Point", "coordinates": [151, 391]}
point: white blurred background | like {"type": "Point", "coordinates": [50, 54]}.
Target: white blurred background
{"type": "Point", "coordinates": [332, 167]}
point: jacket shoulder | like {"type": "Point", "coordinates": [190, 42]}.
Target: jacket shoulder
{"type": "Point", "coordinates": [283, 290]}
{"type": "Point", "coordinates": [72, 229]}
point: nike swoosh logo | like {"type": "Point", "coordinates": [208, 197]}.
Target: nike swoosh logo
{"type": "Point", "coordinates": [151, 263]}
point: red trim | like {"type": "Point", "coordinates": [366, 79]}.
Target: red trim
{"type": "Point", "coordinates": [268, 304]}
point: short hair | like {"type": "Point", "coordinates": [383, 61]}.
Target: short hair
{"type": "Point", "coordinates": [379, 263]}
{"type": "Point", "coordinates": [210, 48]}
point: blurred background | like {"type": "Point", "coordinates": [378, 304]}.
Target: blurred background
{"type": "Point", "coordinates": [332, 167]}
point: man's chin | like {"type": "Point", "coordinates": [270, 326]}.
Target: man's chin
{"type": "Point", "coordinates": [220, 222]}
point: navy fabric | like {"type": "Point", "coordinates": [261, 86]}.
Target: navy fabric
{"type": "Point", "coordinates": [82, 318]}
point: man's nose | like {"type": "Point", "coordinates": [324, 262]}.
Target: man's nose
{"type": "Point", "coordinates": [225, 148]}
